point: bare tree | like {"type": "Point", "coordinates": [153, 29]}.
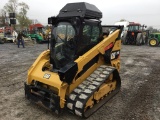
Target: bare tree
{"type": "Point", "coordinates": [23, 9]}
{"type": "Point", "coordinates": [22, 16]}
{"type": "Point", "coordinates": [3, 17]}
{"type": "Point", "coordinates": [122, 20]}
{"type": "Point", "coordinates": [20, 9]}
{"type": "Point", "coordinates": [11, 6]}
{"type": "Point", "coordinates": [152, 30]}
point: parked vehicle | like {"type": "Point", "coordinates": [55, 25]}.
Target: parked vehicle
{"type": "Point", "coordinates": [154, 39]}
{"type": "Point", "coordinates": [135, 35]}
{"type": "Point", "coordinates": [7, 34]}
{"type": "Point", "coordinates": [36, 32]}
{"type": "Point", "coordinates": [9, 38]}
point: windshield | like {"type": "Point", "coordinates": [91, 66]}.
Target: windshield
{"type": "Point", "coordinates": [64, 49]}
{"type": "Point", "coordinates": [64, 32]}
{"type": "Point", "coordinates": [133, 28]}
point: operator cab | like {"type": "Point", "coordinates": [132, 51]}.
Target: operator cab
{"type": "Point", "coordinates": [75, 30]}
{"type": "Point", "coordinates": [136, 27]}
{"type": "Point", "coordinates": [133, 27]}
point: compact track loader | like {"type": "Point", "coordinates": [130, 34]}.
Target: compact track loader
{"type": "Point", "coordinates": [80, 70]}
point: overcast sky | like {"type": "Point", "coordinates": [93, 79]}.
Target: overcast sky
{"type": "Point", "coordinates": [143, 11]}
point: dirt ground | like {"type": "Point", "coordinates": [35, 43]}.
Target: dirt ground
{"type": "Point", "coordinates": [138, 99]}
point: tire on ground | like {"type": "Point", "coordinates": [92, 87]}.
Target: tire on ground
{"type": "Point", "coordinates": [1, 41]}
{"type": "Point", "coordinates": [144, 40]}
{"type": "Point", "coordinates": [139, 39]}
{"type": "Point", "coordinates": [153, 42]}
{"type": "Point", "coordinates": [124, 40]}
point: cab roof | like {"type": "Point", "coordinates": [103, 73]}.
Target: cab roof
{"type": "Point", "coordinates": [80, 9]}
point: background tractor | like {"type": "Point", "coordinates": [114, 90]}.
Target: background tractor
{"type": "Point", "coordinates": [135, 35]}
{"type": "Point", "coordinates": [154, 39]}
{"type": "Point", "coordinates": [35, 31]}
{"type": "Point", "coordinates": [7, 34]}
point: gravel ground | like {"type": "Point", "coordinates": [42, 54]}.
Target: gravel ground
{"type": "Point", "coordinates": [138, 99]}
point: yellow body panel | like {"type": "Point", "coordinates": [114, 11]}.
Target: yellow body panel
{"type": "Point", "coordinates": [35, 73]}
{"type": "Point", "coordinates": [116, 63]}
{"type": "Point", "coordinates": [99, 48]}
{"type": "Point", "coordinates": [104, 90]}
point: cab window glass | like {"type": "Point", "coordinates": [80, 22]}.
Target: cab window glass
{"type": "Point", "coordinates": [90, 34]}
{"type": "Point", "coordinates": [87, 30]}
{"type": "Point", "coordinates": [86, 34]}
{"type": "Point", "coordinates": [95, 34]}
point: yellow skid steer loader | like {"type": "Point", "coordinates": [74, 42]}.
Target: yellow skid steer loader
{"type": "Point", "coordinates": [80, 70]}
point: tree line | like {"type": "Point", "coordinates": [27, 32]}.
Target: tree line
{"type": "Point", "coordinates": [20, 9]}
